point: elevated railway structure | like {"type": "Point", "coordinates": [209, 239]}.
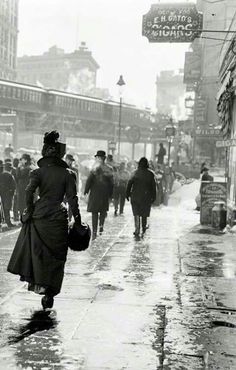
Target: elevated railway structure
{"type": "Point", "coordinates": [39, 109]}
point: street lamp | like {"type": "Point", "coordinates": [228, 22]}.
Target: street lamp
{"type": "Point", "coordinates": [121, 84]}
{"type": "Point", "coordinates": [170, 134]}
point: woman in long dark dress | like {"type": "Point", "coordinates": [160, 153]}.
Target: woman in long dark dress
{"type": "Point", "coordinates": [41, 249]}
{"type": "Point", "coordinates": [141, 189]}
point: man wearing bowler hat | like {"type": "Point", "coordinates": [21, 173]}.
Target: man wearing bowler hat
{"type": "Point", "coordinates": [99, 186]}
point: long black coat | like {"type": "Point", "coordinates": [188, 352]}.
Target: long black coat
{"type": "Point", "coordinates": [141, 189]}
{"type": "Point", "coordinates": [41, 249]}
{"type": "Point", "coordinates": [7, 189]}
{"type": "Point", "coordinates": [99, 185]}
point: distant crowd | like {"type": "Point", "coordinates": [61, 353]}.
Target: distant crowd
{"type": "Point", "coordinates": [15, 172]}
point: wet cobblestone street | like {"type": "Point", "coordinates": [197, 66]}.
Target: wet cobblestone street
{"type": "Point", "coordinates": [166, 301]}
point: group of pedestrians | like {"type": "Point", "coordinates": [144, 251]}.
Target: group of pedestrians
{"type": "Point", "coordinates": [40, 252]}
{"type": "Point", "coordinates": [14, 177]}
{"type": "Point", "coordinates": [109, 181]}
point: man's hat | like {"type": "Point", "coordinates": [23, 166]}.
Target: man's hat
{"type": "Point", "coordinates": [70, 157]}
{"type": "Point", "coordinates": [26, 156]}
{"type": "Point", "coordinates": [205, 169]}
{"type": "Point", "coordinates": [100, 153]}
{"type": "Point", "coordinates": [8, 160]}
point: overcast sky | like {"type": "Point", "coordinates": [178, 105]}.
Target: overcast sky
{"type": "Point", "coordinates": [112, 30]}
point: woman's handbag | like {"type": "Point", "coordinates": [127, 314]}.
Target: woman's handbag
{"type": "Point", "coordinates": [79, 237]}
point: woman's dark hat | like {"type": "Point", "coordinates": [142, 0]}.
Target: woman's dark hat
{"type": "Point", "coordinates": [100, 153]}
{"type": "Point", "coordinates": [205, 169]}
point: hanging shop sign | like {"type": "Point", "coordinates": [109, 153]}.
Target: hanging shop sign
{"type": "Point", "coordinates": [202, 132]}
{"type": "Point", "coordinates": [211, 192]}
{"type": "Point", "coordinates": [172, 22]}
{"type": "Point", "coordinates": [133, 134]}
{"type": "Point", "coordinates": [225, 143]}
{"type": "Point", "coordinates": [200, 110]}
{"type": "Point", "coordinates": [112, 145]}
{"type": "Point", "coordinates": [192, 67]}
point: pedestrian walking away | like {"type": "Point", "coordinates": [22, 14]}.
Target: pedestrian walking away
{"type": "Point", "coordinates": [40, 252]}
{"type": "Point", "coordinates": [120, 184]}
{"type": "Point", "coordinates": [69, 159]}
{"type": "Point", "coordinates": [7, 190]}
{"type": "Point", "coordinates": [99, 186]}
{"type": "Point", "coordinates": [161, 154]}
{"type": "Point", "coordinates": [141, 190]}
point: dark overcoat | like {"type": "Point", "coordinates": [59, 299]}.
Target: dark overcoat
{"type": "Point", "coordinates": [7, 189]}
{"type": "Point", "coordinates": [41, 249]}
{"type": "Point", "coordinates": [99, 185]}
{"type": "Point", "coordinates": [22, 176]}
{"type": "Point", "coordinates": [141, 189]}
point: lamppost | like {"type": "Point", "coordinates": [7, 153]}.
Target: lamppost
{"type": "Point", "coordinates": [170, 134]}
{"type": "Point", "coordinates": [121, 84]}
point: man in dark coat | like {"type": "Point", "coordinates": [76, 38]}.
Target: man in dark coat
{"type": "Point", "coordinates": [69, 159]}
{"type": "Point", "coordinates": [161, 154]}
{"type": "Point", "coordinates": [99, 185]}
{"type": "Point", "coordinates": [22, 180]}
{"type": "Point", "coordinates": [122, 177]}
{"type": "Point", "coordinates": [141, 189]}
{"type": "Point", "coordinates": [7, 190]}
{"type": "Point", "coordinates": [205, 177]}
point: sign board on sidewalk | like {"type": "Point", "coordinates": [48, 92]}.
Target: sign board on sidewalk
{"type": "Point", "coordinates": [211, 192]}
{"type": "Point", "coordinates": [172, 22]}
{"type": "Point", "coordinates": [225, 143]}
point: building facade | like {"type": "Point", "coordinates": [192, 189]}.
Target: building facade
{"type": "Point", "coordinates": [202, 75]}
{"type": "Point", "coordinates": [75, 72]}
{"type": "Point", "coordinates": [226, 106]}
{"type": "Point", "coordinates": [8, 38]}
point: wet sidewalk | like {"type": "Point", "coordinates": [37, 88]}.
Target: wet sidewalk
{"type": "Point", "coordinates": [166, 301]}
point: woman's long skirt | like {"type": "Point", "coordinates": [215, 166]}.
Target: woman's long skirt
{"type": "Point", "coordinates": [40, 253]}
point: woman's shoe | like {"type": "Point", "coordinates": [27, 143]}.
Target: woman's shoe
{"type": "Point", "coordinates": [47, 301]}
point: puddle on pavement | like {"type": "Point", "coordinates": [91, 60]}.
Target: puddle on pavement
{"type": "Point", "coordinates": [159, 332]}
{"type": "Point", "coordinates": [110, 287]}
{"type": "Point", "coordinates": [216, 323]}
{"type": "Point", "coordinates": [208, 231]}
{"type": "Point", "coordinates": [203, 242]}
